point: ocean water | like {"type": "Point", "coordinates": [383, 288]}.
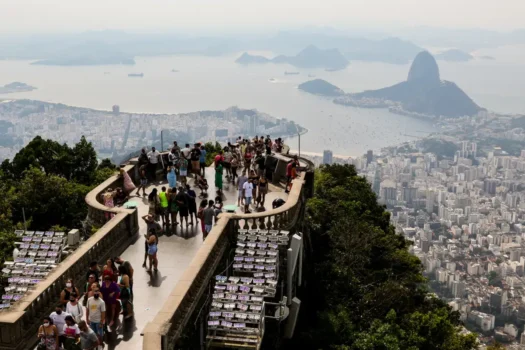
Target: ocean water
{"type": "Point", "coordinates": [207, 83]}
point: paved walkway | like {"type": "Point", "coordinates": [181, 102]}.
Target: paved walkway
{"type": "Point", "coordinates": [175, 254]}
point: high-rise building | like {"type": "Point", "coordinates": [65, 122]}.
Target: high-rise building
{"type": "Point", "coordinates": [116, 109]}
{"type": "Point", "coordinates": [327, 157]}
{"type": "Point", "coordinates": [369, 156]}
{"type": "Point", "coordinates": [251, 122]}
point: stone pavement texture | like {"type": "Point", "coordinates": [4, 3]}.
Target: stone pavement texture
{"type": "Point", "coordinates": [175, 254]}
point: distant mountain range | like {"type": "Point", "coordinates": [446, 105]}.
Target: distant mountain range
{"type": "Point", "coordinates": [423, 93]}
{"type": "Point", "coordinates": [454, 55]}
{"type": "Point", "coordinates": [310, 57]}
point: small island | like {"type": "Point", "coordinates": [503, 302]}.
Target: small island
{"type": "Point", "coordinates": [454, 55]}
{"type": "Point", "coordinates": [310, 57]}
{"type": "Point", "coordinates": [16, 87]}
{"type": "Point", "coordinates": [321, 87]}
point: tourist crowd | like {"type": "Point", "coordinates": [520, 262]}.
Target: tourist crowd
{"type": "Point", "coordinates": [80, 320]}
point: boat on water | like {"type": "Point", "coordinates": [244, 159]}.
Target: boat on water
{"type": "Point", "coordinates": [291, 73]}
{"type": "Point", "coordinates": [311, 75]}
{"type": "Point", "coordinates": [272, 80]}
{"type": "Point", "coordinates": [136, 75]}
{"type": "Point", "coordinates": [174, 71]}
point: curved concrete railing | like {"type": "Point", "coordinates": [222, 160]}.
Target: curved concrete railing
{"type": "Point", "coordinates": [166, 328]}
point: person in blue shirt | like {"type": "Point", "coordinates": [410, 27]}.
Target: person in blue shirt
{"type": "Point", "coordinates": [202, 160]}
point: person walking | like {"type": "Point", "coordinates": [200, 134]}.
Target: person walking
{"type": "Point", "coordinates": [96, 314]}
{"type": "Point", "coordinates": [153, 158]}
{"type": "Point", "coordinates": [88, 338]}
{"type": "Point", "coordinates": [218, 177]}
{"type": "Point", "coordinates": [202, 161]}
{"type": "Point", "coordinates": [48, 335]}
{"type": "Point", "coordinates": [171, 176]}
{"type": "Point", "coordinates": [59, 320]}
{"type": "Point", "coordinates": [228, 156]}
{"type": "Point", "coordinates": [71, 334]}
{"type": "Point", "coordinates": [67, 291]}
{"type": "Point", "coordinates": [74, 309]}
{"type": "Point", "coordinates": [209, 214]}
{"type": "Point", "coordinates": [247, 190]}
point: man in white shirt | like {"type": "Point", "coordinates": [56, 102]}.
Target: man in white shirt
{"type": "Point", "coordinates": [153, 158]}
{"type": "Point", "coordinates": [59, 320]}
{"type": "Point", "coordinates": [96, 313]}
{"type": "Point", "coordinates": [247, 190]}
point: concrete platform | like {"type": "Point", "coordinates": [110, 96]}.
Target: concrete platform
{"type": "Point", "coordinates": [176, 250]}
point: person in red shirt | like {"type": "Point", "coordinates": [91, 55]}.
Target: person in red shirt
{"type": "Point", "coordinates": [218, 158]}
{"type": "Point", "coordinates": [289, 177]}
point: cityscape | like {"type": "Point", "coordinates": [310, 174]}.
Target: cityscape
{"type": "Point", "coordinates": [464, 215]}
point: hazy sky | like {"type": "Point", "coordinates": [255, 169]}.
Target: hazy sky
{"type": "Point", "coordinates": [78, 15]}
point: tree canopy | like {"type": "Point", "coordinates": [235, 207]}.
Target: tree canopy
{"type": "Point", "coordinates": [49, 181]}
{"type": "Point", "coordinates": [364, 290]}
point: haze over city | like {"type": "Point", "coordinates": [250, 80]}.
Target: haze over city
{"type": "Point", "coordinates": [280, 174]}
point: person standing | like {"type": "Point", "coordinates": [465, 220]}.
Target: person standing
{"type": "Point", "coordinates": [192, 203]}
{"type": "Point", "coordinates": [240, 185]}
{"type": "Point", "coordinates": [247, 190]}
{"type": "Point", "coordinates": [59, 320]}
{"type": "Point", "coordinates": [186, 154]}
{"type": "Point", "coordinates": [260, 161]}
{"type": "Point", "coordinates": [182, 203]}
{"type": "Point", "coordinates": [195, 156]}
{"type": "Point", "coordinates": [88, 338]}
{"type": "Point", "coordinates": [209, 214]}
{"type": "Point", "coordinates": [110, 290]}
{"type": "Point", "coordinates": [153, 158]}
{"type": "Point", "coordinates": [234, 166]}
{"type": "Point", "coordinates": [175, 148]}
{"type": "Point", "coordinates": [200, 215]}
{"type": "Point", "coordinates": [154, 204]}
{"type": "Point", "coordinates": [227, 162]}
{"type": "Point", "coordinates": [263, 190]}
{"type": "Point", "coordinates": [164, 213]}
{"type": "Point", "coordinates": [96, 314]}
{"type": "Point", "coordinates": [129, 271]}
{"type": "Point", "coordinates": [202, 160]}
{"type": "Point", "coordinates": [171, 176]}
{"type": "Point", "coordinates": [173, 207]}
{"type": "Point", "coordinates": [218, 177]}
{"type": "Point", "coordinates": [129, 186]}
{"type": "Point", "coordinates": [183, 170]}
{"type": "Point", "coordinates": [48, 335]}
{"type": "Point", "coordinates": [125, 292]}
{"type": "Point", "coordinates": [143, 158]}
{"type": "Point", "coordinates": [153, 247]}
{"type": "Point", "coordinates": [218, 158]}
{"type": "Point", "coordinates": [143, 178]}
